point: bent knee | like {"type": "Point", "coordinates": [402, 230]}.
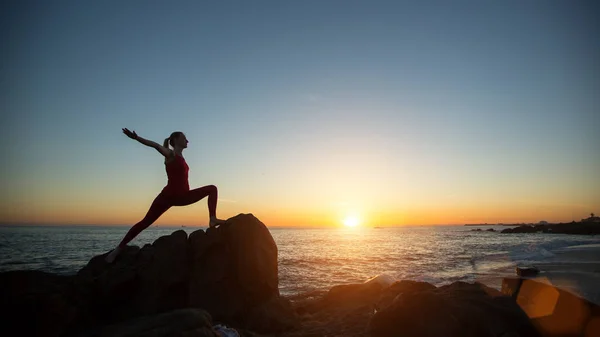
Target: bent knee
{"type": "Point", "coordinates": [212, 188]}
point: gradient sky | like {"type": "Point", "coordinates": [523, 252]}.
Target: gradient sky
{"type": "Point", "coordinates": [303, 112]}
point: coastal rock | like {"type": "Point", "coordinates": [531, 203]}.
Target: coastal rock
{"type": "Point", "coordinates": [521, 229]}
{"type": "Point", "coordinates": [400, 287]}
{"type": "Point", "coordinates": [348, 296]}
{"type": "Point", "coordinates": [235, 275]}
{"type": "Point", "coordinates": [36, 303]}
{"type": "Point", "coordinates": [229, 271]}
{"type": "Point", "coordinates": [459, 309]}
{"type": "Point", "coordinates": [140, 282]}
{"type": "Point", "coordinates": [554, 311]}
{"type": "Point", "coordinates": [527, 271]}
{"type": "Point", "coordinates": [177, 323]}
{"type": "Point", "coordinates": [584, 228]}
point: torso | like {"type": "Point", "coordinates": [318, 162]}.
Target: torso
{"type": "Point", "coordinates": [177, 174]}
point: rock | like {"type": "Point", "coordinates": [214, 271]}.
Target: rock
{"type": "Point", "coordinates": [177, 323]}
{"type": "Point", "coordinates": [274, 315]}
{"type": "Point", "coordinates": [140, 282]}
{"type": "Point", "coordinates": [235, 272]}
{"type": "Point", "coordinates": [527, 271]}
{"type": "Point", "coordinates": [399, 288]}
{"type": "Point", "coordinates": [348, 296]}
{"type": "Point", "coordinates": [229, 271]}
{"type": "Point", "coordinates": [490, 230]}
{"type": "Point", "coordinates": [459, 309]}
{"type": "Point", "coordinates": [554, 311]}
{"type": "Point", "coordinates": [520, 229]}
{"type": "Point", "coordinates": [585, 228]}
{"type": "Point", "coordinates": [35, 303]}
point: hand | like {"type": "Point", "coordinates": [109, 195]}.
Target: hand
{"type": "Point", "coordinates": [130, 134]}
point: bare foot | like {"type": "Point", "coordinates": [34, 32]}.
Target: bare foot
{"type": "Point", "coordinates": [214, 222]}
{"type": "Point", "coordinates": [112, 255]}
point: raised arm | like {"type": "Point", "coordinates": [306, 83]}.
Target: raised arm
{"type": "Point", "coordinates": [163, 150]}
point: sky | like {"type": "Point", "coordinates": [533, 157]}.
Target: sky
{"type": "Point", "coordinates": [303, 113]}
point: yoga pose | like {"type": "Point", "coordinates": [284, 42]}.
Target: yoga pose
{"type": "Point", "coordinates": [176, 193]}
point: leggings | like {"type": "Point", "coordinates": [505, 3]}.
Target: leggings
{"type": "Point", "coordinates": [162, 203]}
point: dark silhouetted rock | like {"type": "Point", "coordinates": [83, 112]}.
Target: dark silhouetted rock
{"type": "Point", "coordinates": [177, 323]}
{"type": "Point", "coordinates": [520, 229]}
{"type": "Point", "coordinates": [460, 309]}
{"type": "Point", "coordinates": [229, 271]}
{"type": "Point", "coordinates": [585, 228]}
{"type": "Point", "coordinates": [139, 282]}
{"type": "Point", "coordinates": [527, 271]}
{"type": "Point", "coordinates": [490, 230]}
{"type": "Point", "coordinates": [36, 303]}
{"type": "Point", "coordinates": [349, 296]}
{"type": "Point", "coordinates": [401, 287]}
{"type": "Point", "coordinates": [235, 274]}
{"type": "Point", "coordinates": [554, 311]}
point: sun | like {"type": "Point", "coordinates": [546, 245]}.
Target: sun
{"type": "Point", "coordinates": [351, 221]}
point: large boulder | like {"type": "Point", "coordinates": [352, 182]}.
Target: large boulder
{"type": "Point", "coordinates": [348, 297]}
{"type": "Point", "coordinates": [234, 275]}
{"type": "Point", "coordinates": [459, 309]}
{"type": "Point", "coordinates": [36, 303]}
{"type": "Point", "coordinates": [400, 287]}
{"type": "Point", "coordinates": [177, 323]}
{"type": "Point", "coordinates": [140, 282]}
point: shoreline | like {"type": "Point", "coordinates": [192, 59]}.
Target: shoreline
{"type": "Point", "coordinates": [575, 269]}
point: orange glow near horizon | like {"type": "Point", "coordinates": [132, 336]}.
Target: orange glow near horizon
{"type": "Point", "coordinates": [332, 215]}
{"type": "Point", "coordinates": [361, 205]}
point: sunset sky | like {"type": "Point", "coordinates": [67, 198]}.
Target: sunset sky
{"type": "Point", "coordinates": [304, 113]}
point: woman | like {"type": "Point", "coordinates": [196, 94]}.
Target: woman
{"type": "Point", "coordinates": [176, 193]}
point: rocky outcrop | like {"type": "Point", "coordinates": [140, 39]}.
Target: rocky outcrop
{"type": "Point", "coordinates": [459, 309]}
{"type": "Point", "coordinates": [412, 308]}
{"type": "Point", "coordinates": [36, 303]}
{"type": "Point", "coordinates": [177, 323]}
{"type": "Point", "coordinates": [140, 282]}
{"type": "Point", "coordinates": [229, 271]}
{"type": "Point", "coordinates": [235, 275]}
{"type": "Point", "coordinates": [527, 271]}
{"type": "Point", "coordinates": [585, 228]}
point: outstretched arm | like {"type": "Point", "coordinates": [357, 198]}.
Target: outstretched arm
{"type": "Point", "coordinates": [163, 150]}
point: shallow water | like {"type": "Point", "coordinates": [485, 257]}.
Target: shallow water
{"type": "Point", "coordinates": [314, 259]}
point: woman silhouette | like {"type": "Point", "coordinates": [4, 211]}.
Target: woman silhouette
{"type": "Point", "coordinates": [176, 193]}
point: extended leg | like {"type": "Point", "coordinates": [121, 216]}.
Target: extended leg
{"type": "Point", "coordinates": [158, 207]}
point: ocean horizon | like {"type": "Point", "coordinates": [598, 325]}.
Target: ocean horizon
{"type": "Point", "coordinates": [313, 259]}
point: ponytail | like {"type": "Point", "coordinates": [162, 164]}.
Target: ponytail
{"type": "Point", "coordinates": [166, 142]}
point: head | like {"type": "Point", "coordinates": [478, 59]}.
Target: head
{"type": "Point", "coordinates": [177, 140]}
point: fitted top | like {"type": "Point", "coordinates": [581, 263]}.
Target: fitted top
{"type": "Point", "coordinates": [177, 174]}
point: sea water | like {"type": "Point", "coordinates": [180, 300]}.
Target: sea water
{"type": "Point", "coordinates": [316, 259]}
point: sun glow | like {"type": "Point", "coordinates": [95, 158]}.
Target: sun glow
{"type": "Point", "coordinates": [351, 221]}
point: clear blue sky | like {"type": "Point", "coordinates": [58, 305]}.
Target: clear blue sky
{"type": "Point", "coordinates": [303, 111]}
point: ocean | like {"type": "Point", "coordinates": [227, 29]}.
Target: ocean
{"type": "Point", "coordinates": [316, 259]}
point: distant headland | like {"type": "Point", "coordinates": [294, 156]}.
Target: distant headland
{"type": "Point", "coordinates": [588, 226]}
